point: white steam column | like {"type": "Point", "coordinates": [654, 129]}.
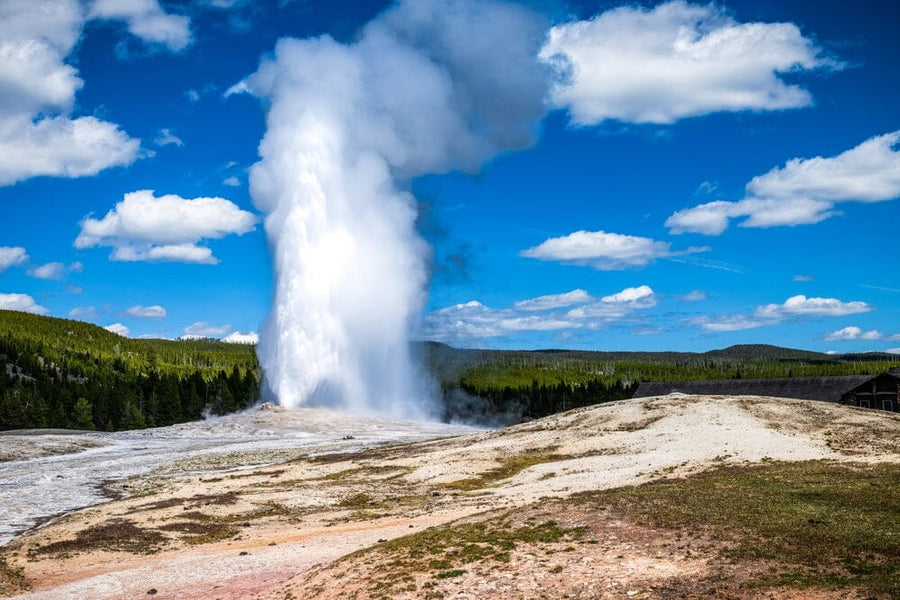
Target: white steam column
{"type": "Point", "coordinates": [430, 86]}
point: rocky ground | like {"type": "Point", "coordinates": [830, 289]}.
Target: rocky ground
{"type": "Point", "coordinates": [500, 514]}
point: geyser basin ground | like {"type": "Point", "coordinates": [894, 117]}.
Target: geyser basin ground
{"type": "Point", "coordinates": [293, 530]}
{"type": "Point", "coordinates": [46, 474]}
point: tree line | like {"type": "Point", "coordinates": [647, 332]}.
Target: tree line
{"type": "Point", "coordinates": [57, 373]}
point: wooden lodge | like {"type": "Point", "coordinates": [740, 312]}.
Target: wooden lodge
{"type": "Point", "coordinates": [880, 392]}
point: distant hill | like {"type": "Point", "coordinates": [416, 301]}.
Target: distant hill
{"type": "Point", "coordinates": [505, 386]}
{"type": "Point", "coordinates": [70, 374]}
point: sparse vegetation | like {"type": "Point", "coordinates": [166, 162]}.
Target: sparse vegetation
{"type": "Point", "coordinates": [450, 551]}
{"type": "Point", "coordinates": [507, 468]}
{"type": "Point", "coordinates": [120, 535]}
{"type": "Point", "coordinates": [816, 524]}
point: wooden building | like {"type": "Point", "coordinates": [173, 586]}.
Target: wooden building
{"type": "Point", "coordinates": [881, 391]}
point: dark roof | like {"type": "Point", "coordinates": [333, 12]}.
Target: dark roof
{"type": "Point", "coordinates": [803, 388]}
{"type": "Point", "coordinates": [886, 382]}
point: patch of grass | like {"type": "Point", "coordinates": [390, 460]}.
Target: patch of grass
{"type": "Point", "coordinates": [198, 532]}
{"type": "Point", "coordinates": [369, 470]}
{"type": "Point", "coordinates": [507, 468]}
{"type": "Point", "coordinates": [11, 579]}
{"type": "Point", "coordinates": [638, 425]}
{"type": "Point", "coordinates": [197, 500]}
{"type": "Point", "coordinates": [360, 501]}
{"type": "Point", "coordinates": [511, 467]}
{"type": "Point", "coordinates": [450, 573]}
{"type": "Point", "coordinates": [444, 551]}
{"type": "Point", "coordinates": [820, 524]}
{"type": "Point", "coordinates": [120, 535]}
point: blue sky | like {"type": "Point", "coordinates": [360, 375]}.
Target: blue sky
{"type": "Point", "coordinates": [703, 175]}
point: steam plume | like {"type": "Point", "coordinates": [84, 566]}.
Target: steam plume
{"type": "Point", "coordinates": [430, 86]}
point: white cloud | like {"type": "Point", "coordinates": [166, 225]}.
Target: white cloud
{"type": "Point", "coordinates": [893, 350]}
{"type": "Point", "coordinates": [21, 302]}
{"type": "Point", "coordinates": [237, 337]}
{"type": "Point", "coordinates": [853, 333]}
{"type": "Point", "coordinates": [232, 181]}
{"type": "Point", "coordinates": [84, 312]}
{"type": "Point", "coordinates": [52, 270]}
{"type": "Point", "coordinates": [694, 296]}
{"type": "Point", "coordinates": [605, 251]}
{"type": "Point", "coordinates": [856, 333]}
{"type": "Point", "coordinates": [146, 312]}
{"type": "Point", "coordinates": [710, 218]}
{"type": "Point", "coordinates": [118, 329]}
{"type": "Point", "coordinates": [822, 307]}
{"type": "Point", "coordinates": [554, 301]}
{"type": "Point", "coordinates": [616, 306]}
{"type": "Point", "coordinates": [187, 253]}
{"type": "Point", "coordinates": [143, 227]}
{"type": "Point", "coordinates": [473, 320]}
{"type": "Point", "coordinates": [870, 172]}
{"type": "Point", "coordinates": [11, 256]}
{"type": "Point", "coordinates": [674, 61]}
{"type": "Point", "coordinates": [202, 329]}
{"type": "Point", "coordinates": [166, 138]}
{"type": "Point", "coordinates": [771, 314]}
{"type": "Point", "coordinates": [728, 323]}
{"type": "Point", "coordinates": [804, 191]}
{"type": "Point", "coordinates": [706, 188]}
{"type": "Point", "coordinates": [38, 137]}
{"type": "Point", "coordinates": [803, 278]}
{"type": "Point", "coordinates": [61, 147]}
{"type": "Point", "coordinates": [146, 20]}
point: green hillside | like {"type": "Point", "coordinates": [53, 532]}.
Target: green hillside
{"type": "Point", "coordinates": [70, 374]}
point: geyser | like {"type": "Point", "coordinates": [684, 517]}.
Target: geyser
{"type": "Point", "coordinates": [428, 87]}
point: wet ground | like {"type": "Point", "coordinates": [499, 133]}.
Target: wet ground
{"type": "Point", "coordinates": [51, 473]}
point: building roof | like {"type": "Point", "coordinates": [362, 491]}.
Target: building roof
{"type": "Point", "coordinates": [829, 389]}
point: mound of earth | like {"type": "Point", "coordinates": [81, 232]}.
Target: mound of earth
{"type": "Point", "coordinates": [652, 497]}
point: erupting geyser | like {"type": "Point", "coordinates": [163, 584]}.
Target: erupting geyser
{"type": "Point", "coordinates": [429, 86]}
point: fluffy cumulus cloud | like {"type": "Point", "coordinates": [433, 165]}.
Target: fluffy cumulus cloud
{"type": "Point", "coordinates": [795, 307]}
{"type": "Point", "coordinates": [146, 312]}
{"type": "Point", "coordinates": [819, 307]}
{"type": "Point", "coordinates": [468, 322]}
{"type": "Point", "coordinates": [21, 302]}
{"type": "Point", "coordinates": [857, 333]}
{"type": "Point", "coordinates": [804, 191]}
{"type": "Point", "coordinates": [38, 135]}
{"type": "Point", "coordinates": [11, 256]}
{"type": "Point", "coordinates": [144, 227]}
{"type": "Point", "coordinates": [236, 337]}
{"type": "Point", "coordinates": [605, 251]}
{"type": "Point", "coordinates": [146, 20]}
{"type": "Point", "coordinates": [118, 329]}
{"type": "Point", "coordinates": [673, 61]}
